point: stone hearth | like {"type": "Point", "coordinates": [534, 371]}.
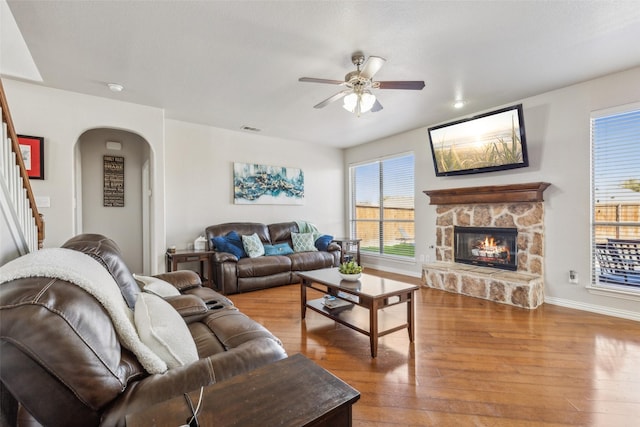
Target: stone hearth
{"type": "Point", "coordinates": [507, 287]}
{"type": "Point", "coordinates": [517, 206]}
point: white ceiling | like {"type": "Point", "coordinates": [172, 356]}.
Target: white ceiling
{"type": "Point", "coordinates": [230, 64]}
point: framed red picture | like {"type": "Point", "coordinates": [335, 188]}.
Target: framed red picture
{"type": "Point", "coordinates": [32, 148]}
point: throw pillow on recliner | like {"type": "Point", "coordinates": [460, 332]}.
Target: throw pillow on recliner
{"type": "Point", "coordinates": [322, 242]}
{"type": "Point", "coordinates": [231, 243]}
{"type": "Point", "coordinates": [253, 245]}
{"type": "Point", "coordinates": [278, 249]}
{"type": "Point", "coordinates": [163, 330]}
{"type": "Point", "coordinates": [303, 242]}
{"type": "Point", "coordinates": [156, 286]}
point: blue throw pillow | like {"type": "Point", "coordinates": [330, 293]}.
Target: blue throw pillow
{"type": "Point", "coordinates": [323, 241]}
{"type": "Point", "coordinates": [236, 241]}
{"type": "Point", "coordinates": [231, 243]}
{"type": "Point", "coordinates": [221, 244]}
{"type": "Point", "coordinates": [279, 249]}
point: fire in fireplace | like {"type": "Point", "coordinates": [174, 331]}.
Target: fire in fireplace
{"type": "Point", "coordinates": [486, 246]}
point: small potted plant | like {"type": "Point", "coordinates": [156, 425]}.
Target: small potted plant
{"type": "Point", "coordinates": [350, 270]}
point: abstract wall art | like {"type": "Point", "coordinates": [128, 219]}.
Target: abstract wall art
{"type": "Point", "coordinates": [267, 185]}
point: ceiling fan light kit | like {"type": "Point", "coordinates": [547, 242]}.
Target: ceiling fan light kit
{"type": "Point", "coordinates": [358, 97]}
{"type": "Point", "coordinates": [359, 102]}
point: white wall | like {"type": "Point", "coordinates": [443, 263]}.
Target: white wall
{"type": "Point", "coordinates": [558, 139]}
{"type": "Point", "coordinates": [199, 180]}
{"type": "Point", "coordinates": [122, 224]}
{"type": "Point", "coordinates": [197, 173]}
{"type": "Point", "coordinates": [61, 117]}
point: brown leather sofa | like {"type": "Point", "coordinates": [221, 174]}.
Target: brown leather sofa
{"type": "Point", "coordinates": [233, 275]}
{"type": "Point", "coordinates": [64, 364]}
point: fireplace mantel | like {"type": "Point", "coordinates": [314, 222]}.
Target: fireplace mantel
{"type": "Point", "coordinates": [530, 192]}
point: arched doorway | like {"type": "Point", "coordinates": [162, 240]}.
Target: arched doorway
{"type": "Point", "coordinates": [124, 217]}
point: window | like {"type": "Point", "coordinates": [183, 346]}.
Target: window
{"type": "Point", "coordinates": [382, 207]}
{"type": "Point", "coordinates": [615, 188]}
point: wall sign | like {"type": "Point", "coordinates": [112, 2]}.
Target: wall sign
{"type": "Point", "coordinates": [113, 192]}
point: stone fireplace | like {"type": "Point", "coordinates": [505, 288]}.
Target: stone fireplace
{"type": "Point", "coordinates": [517, 207]}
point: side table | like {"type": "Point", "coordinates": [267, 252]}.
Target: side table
{"type": "Point", "coordinates": [177, 257]}
{"type": "Point", "coordinates": [292, 392]}
{"type": "Point", "coordinates": [349, 249]}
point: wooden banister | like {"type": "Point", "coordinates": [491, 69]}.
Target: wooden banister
{"type": "Point", "coordinates": [15, 146]}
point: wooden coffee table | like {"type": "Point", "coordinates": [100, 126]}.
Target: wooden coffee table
{"type": "Point", "coordinates": [370, 293]}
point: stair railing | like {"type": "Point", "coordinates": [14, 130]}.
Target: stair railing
{"type": "Point", "coordinates": [17, 201]}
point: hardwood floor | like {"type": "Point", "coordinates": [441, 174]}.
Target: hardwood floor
{"type": "Point", "coordinates": [473, 362]}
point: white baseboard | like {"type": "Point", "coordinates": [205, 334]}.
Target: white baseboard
{"type": "Point", "coordinates": [624, 314]}
{"type": "Point", "coordinates": [388, 269]}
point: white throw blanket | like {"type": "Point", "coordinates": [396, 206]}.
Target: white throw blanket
{"type": "Point", "coordinates": [87, 273]}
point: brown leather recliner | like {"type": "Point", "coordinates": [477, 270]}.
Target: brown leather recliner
{"type": "Point", "coordinates": [62, 362]}
{"type": "Point", "coordinates": [233, 275]}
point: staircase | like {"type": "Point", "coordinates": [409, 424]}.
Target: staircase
{"type": "Point", "coordinates": [17, 202]}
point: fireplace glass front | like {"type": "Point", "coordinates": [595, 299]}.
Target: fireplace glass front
{"type": "Point", "coordinates": [486, 246]}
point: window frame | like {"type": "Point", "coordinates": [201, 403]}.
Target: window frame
{"type": "Point", "coordinates": [380, 220]}
{"type": "Point", "coordinates": [595, 286]}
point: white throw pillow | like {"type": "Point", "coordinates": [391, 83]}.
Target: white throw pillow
{"type": "Point", "coordinates": [253, 245]}
{"type": "Point", "coordinates": [156, 286]}
{"type": "Point", "coordinates": [303, 242]}
{"type": "Point", "coordinates": [163, 330]}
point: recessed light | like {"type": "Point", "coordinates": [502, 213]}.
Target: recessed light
{"type": "Point", "coordinates": [458, 104]}
{"type": "Point", "coordinates": [115, 87]}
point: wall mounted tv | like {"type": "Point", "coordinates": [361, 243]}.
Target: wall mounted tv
{"type": "Point", "coordinates": [484, 143]}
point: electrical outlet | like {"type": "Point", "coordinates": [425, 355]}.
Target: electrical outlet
{"type": "Point", "coordinates": [573, 276]}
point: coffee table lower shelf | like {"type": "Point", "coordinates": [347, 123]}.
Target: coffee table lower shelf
{"type": "Point", "coordinates": [357, 318]}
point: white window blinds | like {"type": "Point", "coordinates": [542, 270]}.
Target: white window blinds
{"type": "Point", "coordinates": [382, 206]}
{"type": "Point", "coordinates": [616, 199]}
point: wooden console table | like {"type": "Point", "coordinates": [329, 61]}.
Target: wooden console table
{"type": "Point", "coordinates": [349, 249]}
{"type": "Point", "coordinates": [178, 257]}
{"type": "Point", "coordinates": [292, 392]}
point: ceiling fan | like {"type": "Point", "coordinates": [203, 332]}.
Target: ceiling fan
{"type": "Point", "coordinates": [357, 96]}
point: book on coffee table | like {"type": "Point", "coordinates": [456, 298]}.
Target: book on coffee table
{"type": "Point", "coordinates": [336, 303]}
{"type": "Point", "coordinates": [349, 297]}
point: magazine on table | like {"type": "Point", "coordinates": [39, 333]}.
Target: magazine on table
{"type": "Point", "coordinates": [331, 301]}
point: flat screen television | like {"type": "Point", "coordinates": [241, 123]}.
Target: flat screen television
{"type": "Point", "coordinates": [484, 143]}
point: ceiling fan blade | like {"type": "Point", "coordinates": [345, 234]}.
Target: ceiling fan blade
{"type": "Point", "coordinates": [333, 98]}
{"type": "Point", "coordinates": [408, 85]}
{"type": "Point", "coordinates": [372, 66]}
{"type": "Point", "coordinates": [376, 106]}
{"type": "Point", "coordinates": [314, 80]}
